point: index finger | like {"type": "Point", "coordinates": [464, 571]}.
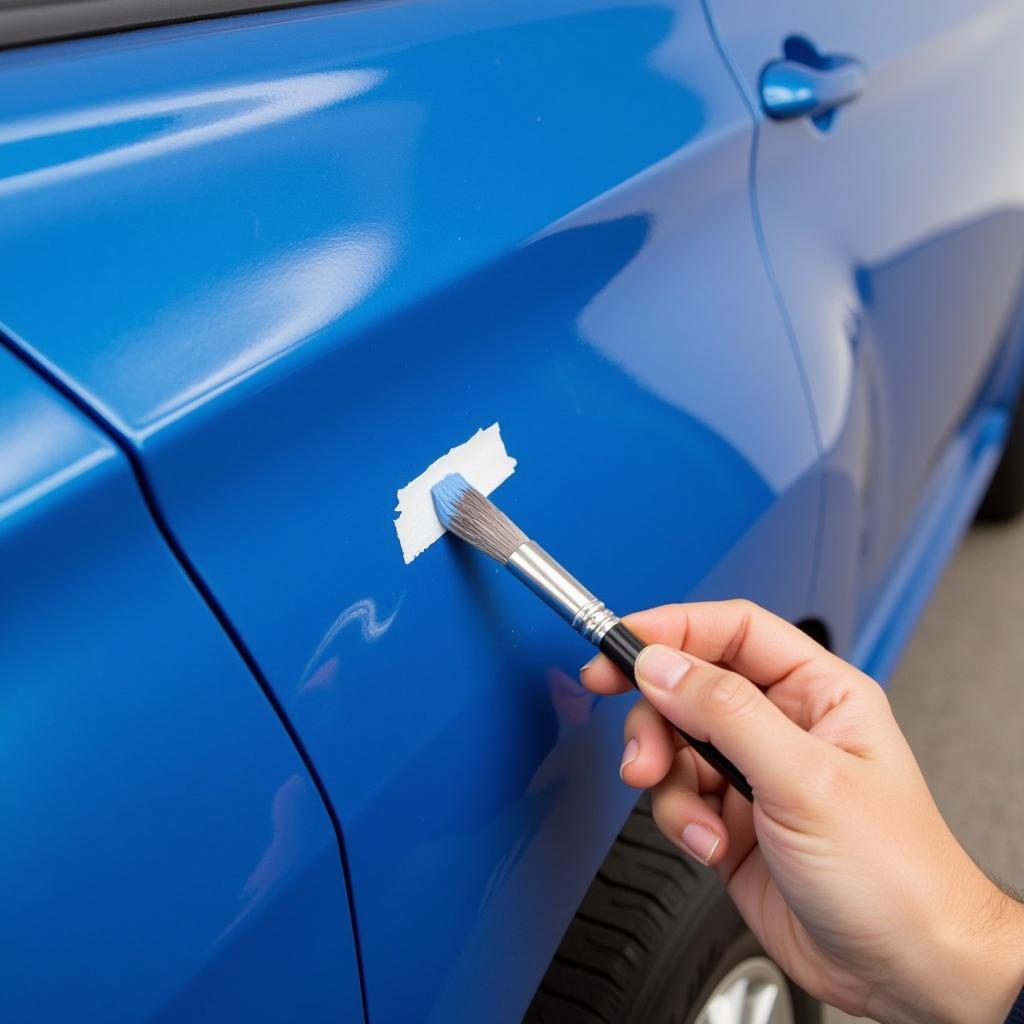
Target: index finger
{"type": "Point", "coordinates": [738, 634]}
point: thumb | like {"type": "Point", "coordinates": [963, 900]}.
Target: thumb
{"type": "Point", "coordinates": [712, 703]}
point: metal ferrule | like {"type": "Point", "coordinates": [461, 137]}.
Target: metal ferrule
{"type": "Point", "coordinates": [548, 580]}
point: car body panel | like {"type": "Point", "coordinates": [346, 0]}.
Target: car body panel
{"type": "Point", "coordinates": [287, 260]}
{"type": "Point", "coordinates": [291, 259]}
{"type": "Point", "coordinates": [166, 856]}
{"type": "Point", "coordinates": [896, 237]}
{"type": "Point", "coordinates": [946, 510]}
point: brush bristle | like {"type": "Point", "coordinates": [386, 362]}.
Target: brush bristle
{"type": "Point", "coordinates": [464, 511]}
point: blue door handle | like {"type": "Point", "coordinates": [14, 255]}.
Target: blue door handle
{"type": "Point", "coordinates": [795, 88]}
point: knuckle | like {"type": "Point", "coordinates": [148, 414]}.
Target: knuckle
{"type": "Point", "coordinates": [878, 697]}
{"type": "Point", "coordinates": [630, 724]}
{"type": "Point", "coordinates": [741, 611]}
{"type": "Point", "coordinates": [669, 802]}
{"type": "Point", "coordinates": [743, 606]}
{"type": "Point", "coordinates": [663, 817]}
{"type": "Point", "coordinates": [727, 695]}
{"type": "Point", "coordinates": [641, 716]}
{"type": "Point", "coordinates": [864, 690]}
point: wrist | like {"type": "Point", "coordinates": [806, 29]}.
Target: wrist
{"type": "Point", "coordinates": [979, 970]}
{"type": "Point", "coordinates": [1000, 967]}
{"type": "Point", "coordinates": [966, 966]}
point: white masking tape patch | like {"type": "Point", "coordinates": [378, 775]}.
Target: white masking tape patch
{"type": "Point", "coordinates": [482, 460]}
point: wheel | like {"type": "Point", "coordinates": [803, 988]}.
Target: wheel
{"type": "Point", "coordinates": [1004, 499]}
{"type": "Point", "coordinates": [658, 941]}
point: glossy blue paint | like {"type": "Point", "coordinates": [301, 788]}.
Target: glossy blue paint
{"type": "Point", "coordinates": [292, 259]}
{"type": "Point", "coordinates": [946, 510]}
{"type": "Point", "coordinates": [897, 240]}
{"type": "Point", "coordinates": [165, 855]}
{"type": "Point", "coordinates": [809, 84]}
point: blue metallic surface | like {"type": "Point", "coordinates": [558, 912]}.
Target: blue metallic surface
{"type": "Point", "coordinates": [792, 88]}
{"type": "Point", "coordinates": [947, 508]}
{"type": "Point", "coordinates": [897, 241]}
{"type": "Point", "coordinates": [293, 259]}
{"type": "Point", "coordinates": [165, 856]}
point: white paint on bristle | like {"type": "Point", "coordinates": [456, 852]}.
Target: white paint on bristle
{"type": "Point", "coordinates": [482, 460]}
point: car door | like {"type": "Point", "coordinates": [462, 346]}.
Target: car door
{"type": "Point", "coordinates": [894, 224]}
{"type": "Point", "coordinates": [166, 854]}
{"type": "Point", "coordinates": [290, 260]}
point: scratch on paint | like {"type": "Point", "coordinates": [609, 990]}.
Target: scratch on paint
{"type": "Point", "coordinates": [371, 627]}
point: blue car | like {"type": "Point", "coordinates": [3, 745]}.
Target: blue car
{"type": "Point", "coordinates": [740, 287]}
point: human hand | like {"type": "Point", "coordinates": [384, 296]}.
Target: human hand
{"type": "Point", "coordinates": [843, 866]}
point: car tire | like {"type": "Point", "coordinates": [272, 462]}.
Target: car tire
{"type": "Point", "coordinates": [657, 941]}
{"type": "Point", "coordinates": [1004, 499]}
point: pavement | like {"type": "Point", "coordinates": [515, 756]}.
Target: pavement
{"type": "Point", "coordinates": [959, 697]}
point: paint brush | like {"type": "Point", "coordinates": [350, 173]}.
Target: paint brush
{"type": "Point", "coordinates": [472, 517]}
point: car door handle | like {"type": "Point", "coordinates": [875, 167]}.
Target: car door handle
{"type": "Point", "coordinates": [793, 88]}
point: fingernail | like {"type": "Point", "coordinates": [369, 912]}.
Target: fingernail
{"type": "Point", "coordinates": [701, 842]}
{"type": "Point", "coordinates": [629, 755]}
{"type": "Point", "coordinates": [661, 666]}
{"type": "Point", "coordinates": [589, 663]}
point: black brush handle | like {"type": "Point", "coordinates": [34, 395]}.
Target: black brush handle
{"type": "Point", "coordinates": [623, 646]}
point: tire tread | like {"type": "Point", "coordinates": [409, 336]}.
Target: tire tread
{"type": "Point", "coordinates": [643, 882]}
